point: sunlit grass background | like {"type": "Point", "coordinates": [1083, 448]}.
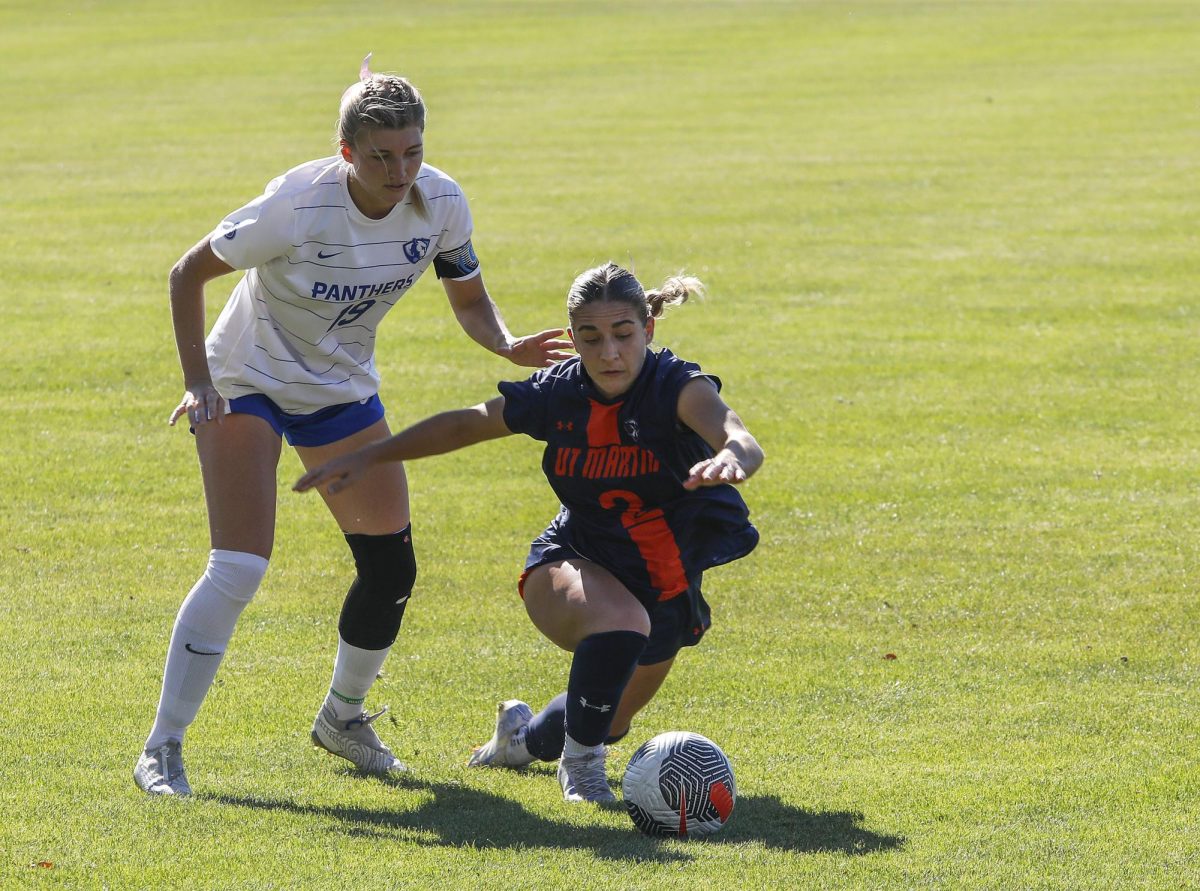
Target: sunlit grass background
{"type": "Point", "coordinates": [952, 256]}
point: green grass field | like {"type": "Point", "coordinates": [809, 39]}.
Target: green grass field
{"type": "Point", "coordinates": [952, 255]}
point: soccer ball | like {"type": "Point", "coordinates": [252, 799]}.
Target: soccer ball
{"type": "Point", "coordinates": [679, 784]}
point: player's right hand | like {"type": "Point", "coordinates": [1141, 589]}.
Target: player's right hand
{"type": "Point", "coordinates": [334, 475]}
{"type": "Point", "coordinates": [201, 404]}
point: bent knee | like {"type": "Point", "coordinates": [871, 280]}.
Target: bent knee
{"type": "Point", "coordinates": [235, 574]}
{"type": "Point", "coordinates": [375, 604]}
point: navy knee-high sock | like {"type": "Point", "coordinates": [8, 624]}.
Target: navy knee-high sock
{"type": "Point", "coordinates": [546, 733]}
{"type": "Point", "coordinates": [602, 666]}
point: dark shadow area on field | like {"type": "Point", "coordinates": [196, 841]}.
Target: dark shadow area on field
{"type": "Point", "coordinates": [461, 816]}
{"type": "Point", "coordinates": [766, 819]}
{"type": "Point", "coordinates": [464, 817]}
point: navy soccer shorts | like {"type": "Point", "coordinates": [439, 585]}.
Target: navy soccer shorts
{"type": "Point", "coordinates": [674, 624]}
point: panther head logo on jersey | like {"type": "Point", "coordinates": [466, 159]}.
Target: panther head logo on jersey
{"type": "Point", "coordinates": [415, 249]}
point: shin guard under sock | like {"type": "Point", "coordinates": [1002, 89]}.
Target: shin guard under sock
{"type": "Point", "coordinates": [602, 666]}
{"type": "Point", "coordinates": [202, 631]}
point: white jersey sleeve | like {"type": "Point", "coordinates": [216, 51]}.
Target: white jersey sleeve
{"type": "Point", "coordinates": [259, 232]}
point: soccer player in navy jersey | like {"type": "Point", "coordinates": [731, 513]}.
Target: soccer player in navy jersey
{"type": "Point", "coordinates": [328, 249]}
{"type": "Point", "coordinates": [643, 454]}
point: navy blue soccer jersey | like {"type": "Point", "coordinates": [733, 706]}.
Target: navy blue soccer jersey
{"type": "Point", "coordinates": [618, 466]}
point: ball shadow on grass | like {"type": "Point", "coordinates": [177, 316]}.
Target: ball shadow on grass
{"type": "Point", "coordinates": [767, 819]}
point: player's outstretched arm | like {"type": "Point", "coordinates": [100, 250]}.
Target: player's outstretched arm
{"type": "Point", "coordinates": [435, 435]}
{"type": "Point", "coordinates": [738, 454]}
{"type": "Point", "coordinates": [479, 317]}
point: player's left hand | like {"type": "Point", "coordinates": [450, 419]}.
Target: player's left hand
{"type": "Point", "coordinates": [721, 468]}
{"type": "Point", "coordinates": [539, 350]}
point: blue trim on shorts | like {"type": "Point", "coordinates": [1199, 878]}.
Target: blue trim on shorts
{"type": "Point", "coordinates": [317, 429]}
{"type": "Point", "coordinates": [674, 624]}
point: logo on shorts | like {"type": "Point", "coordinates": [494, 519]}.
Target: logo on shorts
{"type": "Point", "coordinates": [415, 249]}
{"type": "Point", "coordinates": [321, 255]}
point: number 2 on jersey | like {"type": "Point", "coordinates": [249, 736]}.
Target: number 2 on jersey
{"type": "Point", "coordinates": [653, 538]}
{"type": "Point", "coordinates": [350, 314]}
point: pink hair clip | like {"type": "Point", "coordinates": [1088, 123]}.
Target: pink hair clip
{"type": "Point", "coordinates": [364, 72]}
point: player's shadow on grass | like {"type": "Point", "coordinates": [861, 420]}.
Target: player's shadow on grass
{"type": "Point", "coordinates": [462, 816]}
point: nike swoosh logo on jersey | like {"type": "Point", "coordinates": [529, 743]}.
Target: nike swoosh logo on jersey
{"type": "Point", "coordinates": [190, 649]}
{"type": "Point", "coordinates": [321, 255]}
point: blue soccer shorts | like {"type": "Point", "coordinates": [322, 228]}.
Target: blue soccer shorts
{"type": "Point", "coordinates": [317, 429]}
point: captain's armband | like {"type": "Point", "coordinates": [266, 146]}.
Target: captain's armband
{"type": "Point", "coordinates": [456, 264]}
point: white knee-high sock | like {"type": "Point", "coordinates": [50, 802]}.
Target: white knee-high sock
{"type": "Point", "coordinates": [202, 631]}
{"type": "Point", "coordinates": [353, 674]}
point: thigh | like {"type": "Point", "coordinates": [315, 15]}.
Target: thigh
{"type": "Point", "coordinates": [378, 504]}
{"type": "Point", "coordinates": [239, 458]}
{"type": "Point", "coordinates": [570, 599]}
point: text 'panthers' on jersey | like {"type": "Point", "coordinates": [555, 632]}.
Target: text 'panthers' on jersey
{"type": "Point", "coordinates": [300, 326]}
{"type": "Point", "coordinates": [618, 467]}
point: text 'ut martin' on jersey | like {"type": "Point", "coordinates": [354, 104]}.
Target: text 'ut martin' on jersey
{"type": "Point", "coordinates": [300, 326]}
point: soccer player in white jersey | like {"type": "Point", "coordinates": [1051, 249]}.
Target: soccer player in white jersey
{"type": "Point", "coordinates": [327, 249]}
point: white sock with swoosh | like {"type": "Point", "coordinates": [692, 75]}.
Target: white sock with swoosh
{"type": "Point", "coordinates": [202, 631]}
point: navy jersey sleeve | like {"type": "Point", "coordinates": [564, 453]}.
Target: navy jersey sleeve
{"type": "Point", "coordinates": [525, 405]}
{"type": "Point", "coordinates": [673, 374]}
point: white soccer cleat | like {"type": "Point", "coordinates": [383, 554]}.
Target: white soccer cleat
{"type": "Point", "coordinates": [159, 771]}
{"type": "Point", "coordinates": [500, 751]}
{"type": "Point", "coordinates": [355, 740]}
{"type": "Point", "coordinates": [583, 778]}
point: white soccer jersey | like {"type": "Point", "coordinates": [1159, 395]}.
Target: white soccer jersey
{"type": "Point", "coordinates": [300, 325]}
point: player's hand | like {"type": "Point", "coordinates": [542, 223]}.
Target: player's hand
{"type": "Point", "coordinates": [335, 475]}
{"type": "Point", "coordinates": [201, 403]}
{"type": "Point", "coordinates": [722, 468]}
{"type": "Point", "coordinates": [539, 350]}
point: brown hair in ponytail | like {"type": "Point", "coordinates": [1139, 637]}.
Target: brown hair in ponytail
{"type": "Point", "coordinates": [611, 282]}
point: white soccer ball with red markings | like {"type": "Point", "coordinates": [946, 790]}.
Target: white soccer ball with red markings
{"type": "Point", "coordinates": [679, 784]}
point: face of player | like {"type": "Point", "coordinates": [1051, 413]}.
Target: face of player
{"type": "Point", "coordinates": [611, 341]}
{"type": "Point", "coordinates": [384, 164]}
